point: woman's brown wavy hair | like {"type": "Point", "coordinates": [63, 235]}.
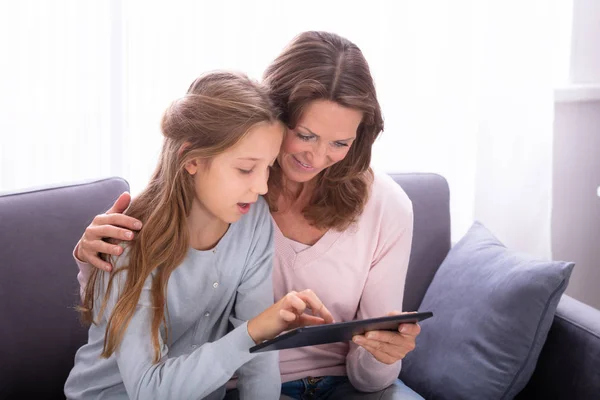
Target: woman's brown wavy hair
{"type": "Point", "coordinates": [215, 114]}
{"type": "Point", "coordinates": [325, 66]}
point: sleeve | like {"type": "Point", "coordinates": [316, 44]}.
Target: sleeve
{"type": "Point", "coordinates": [259, 378]}
{"type": "Point", "coordinates": [383, 290]}
{"type": "Point", "coordinates": [85, 270]}
{"type": "Point", "coordinates": [189, 376]}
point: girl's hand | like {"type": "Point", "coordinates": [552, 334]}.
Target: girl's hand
{"type": "Point", "coordinates": [289, 313]}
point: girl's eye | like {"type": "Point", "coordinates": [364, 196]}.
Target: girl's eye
{"type": "Point", "coordinates": [245, 171]}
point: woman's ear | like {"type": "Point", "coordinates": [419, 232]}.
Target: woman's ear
{"type": "Point", "coordinates": [182, 148]}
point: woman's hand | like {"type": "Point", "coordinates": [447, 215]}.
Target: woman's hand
{"type": "Point", "coordinates": [112, 225]}
{"type": "Point", "coordinates": [389, 347]}
{"type": "Point", "coordinates": [289, 313]}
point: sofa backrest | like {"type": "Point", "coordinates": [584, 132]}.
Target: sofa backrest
{"type": "Point", "coordinates": [430, 197]}
{"type": "Point", "coordinates": [39, 328]}
{"type": "Point", "coordinates": [40, 331]}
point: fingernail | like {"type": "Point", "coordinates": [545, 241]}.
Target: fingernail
{"type": "Point", "coordinates": [128, 235]}
{"type": "Point", "coordinates": [137, 225]}
{"type": "Point", "coordinates": [358, 340]}
{"type": "Point", "coordinates": [370, 335]}
{"type": "Point", "coordinates": [403, 329]}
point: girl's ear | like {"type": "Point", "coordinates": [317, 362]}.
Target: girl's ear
{"type": "Point", "coordinates": [192, 165]}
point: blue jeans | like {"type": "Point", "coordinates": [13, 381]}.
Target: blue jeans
{"type": "Point", "coordinates": [340, 388]}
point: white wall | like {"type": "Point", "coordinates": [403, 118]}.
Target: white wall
{"type": "Point", "coordinates": [576, 201]}
{"type": "Point", "coordinates": [576, 158]}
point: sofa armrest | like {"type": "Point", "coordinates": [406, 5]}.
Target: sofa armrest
{"type": "Point", "coordinates": [569, 365]}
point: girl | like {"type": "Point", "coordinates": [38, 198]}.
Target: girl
{"type": "Point", "coordinates": [202, 261]}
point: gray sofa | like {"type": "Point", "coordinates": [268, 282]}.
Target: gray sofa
{"type": "Point", "coordinates": [40, 331]}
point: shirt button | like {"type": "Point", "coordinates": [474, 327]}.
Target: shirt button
{"type": "Point", "coordinates": [216, 285]}
{"type": "Point", "coordinates": [207, 314]}
{"type": "Point", "coordinates": [194, 346]}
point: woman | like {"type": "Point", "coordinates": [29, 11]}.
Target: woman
{"type": "Point", "coordinates": [340, 229]}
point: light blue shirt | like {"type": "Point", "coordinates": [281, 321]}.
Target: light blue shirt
{"type": "Point", "coordinates": [209, 290]}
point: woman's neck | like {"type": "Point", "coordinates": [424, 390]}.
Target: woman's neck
{"type": "Point", "coordinates": [205, 229]}
{"type": "Point", "coordinates": [297, 195]}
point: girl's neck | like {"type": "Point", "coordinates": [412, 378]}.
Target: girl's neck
{"type": "Point", "coordinates": [205, 229]}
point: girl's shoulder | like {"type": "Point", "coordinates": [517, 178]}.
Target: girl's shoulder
{"type": "Point", "coordinates": [254, 225]}
{"type": "Point", "coordinates": [258, 214]}
{"type": "Point", "coordinates": [122, 259]}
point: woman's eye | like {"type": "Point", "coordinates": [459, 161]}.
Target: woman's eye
{"type": "Point", "coordinates": [304, 137]}
{"type": "Point", "coordinates": [245, 171]}
{"type": "Point", "coordinates": [340, 144]}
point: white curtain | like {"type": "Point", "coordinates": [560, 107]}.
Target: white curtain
{"type": "Point", "coordinates": [465, 86]}
{"type": "Point", "coordinates": [56, 92]}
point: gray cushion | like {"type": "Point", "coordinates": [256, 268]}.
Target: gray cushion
{"type": "Point", "coordinates": [39, 329]}
{"type": "Point", "coordinates": [430, 198]}
{"type": "Point", "coordinates": [492, 311]}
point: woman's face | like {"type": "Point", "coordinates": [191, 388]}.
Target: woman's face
{"type": "Point", "coordinates": [322, 137]}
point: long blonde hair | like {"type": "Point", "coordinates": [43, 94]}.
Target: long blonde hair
{"type": "Point", "coordinates": [215, 114]}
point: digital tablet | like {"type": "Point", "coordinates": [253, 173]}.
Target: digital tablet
{"type": "Point", "coordinates": [337, 332]}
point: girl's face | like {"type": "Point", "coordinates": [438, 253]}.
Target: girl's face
{"type": "Point", "coordinates": [228, 185]}
{"type": "Point", "coordinates": [322, 137]}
